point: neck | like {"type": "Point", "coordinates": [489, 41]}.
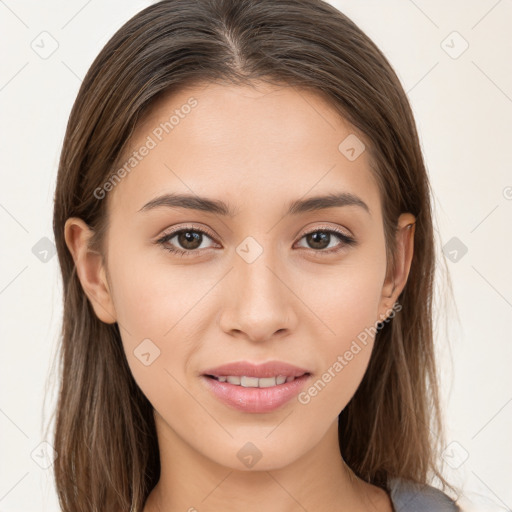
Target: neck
{"type": "Point", "coordinates": [318, 480]}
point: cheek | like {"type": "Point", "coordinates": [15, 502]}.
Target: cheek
{"type": "Point", "coordinates": [158, 306]}
{"type": "Point", "coordinates": [347, 304]}
{"type": "Point", "coordinates": [347, 298]}
{"type": "Point", "coordinates": [150, 296]}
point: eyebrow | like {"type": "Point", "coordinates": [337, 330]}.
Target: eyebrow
{"type": "Point", "coordinates": [216, 206]}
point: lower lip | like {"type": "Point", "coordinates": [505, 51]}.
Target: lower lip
{"type": "Point", "coordinates": [255, 400]}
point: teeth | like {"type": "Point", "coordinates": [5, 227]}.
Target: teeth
{"type": "Point", "coordinates": [265, 383]}
{"type": "Point", "coordinates": [281, 379]}
{"type": "Point", "coordinates": [249, 382]}
{"type": "Point", "coordinates": [255, 382]}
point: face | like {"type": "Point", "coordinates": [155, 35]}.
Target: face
{"type": "Point", "coordinates": [193, 289]}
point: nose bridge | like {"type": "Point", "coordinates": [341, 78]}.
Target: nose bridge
{"type": "Point", "coordinates": [257, 280]}
{"type": "Point", "coordinates": [261, 304]}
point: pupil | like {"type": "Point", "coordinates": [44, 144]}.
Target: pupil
{"type": "Point", "coordinates": [319, 239]}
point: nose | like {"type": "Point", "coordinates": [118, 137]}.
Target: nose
{"type": "Point", "coordinates": [259, 303]}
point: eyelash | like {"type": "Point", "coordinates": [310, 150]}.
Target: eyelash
{"type": "Point", "coordinates": [345, 239]}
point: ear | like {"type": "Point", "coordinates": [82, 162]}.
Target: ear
{"type": "Point", "coordinates": [90, 269]}
{"type": "Point", "coordinates": [397, 278]}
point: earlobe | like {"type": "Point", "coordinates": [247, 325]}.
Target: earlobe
{"type": "Point", "coordinates": [397, 277]}
{"type": "Point", "coordinates": [90, 269]}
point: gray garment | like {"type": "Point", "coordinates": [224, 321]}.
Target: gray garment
{"type": "Point", "coordinates": [408, 496]}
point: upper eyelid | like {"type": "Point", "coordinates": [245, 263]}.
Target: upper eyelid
{"type": "Point", "coordinates": [328, 228]}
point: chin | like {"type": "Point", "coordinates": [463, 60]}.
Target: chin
{"type": "Point", "coordinates": [260, 452]}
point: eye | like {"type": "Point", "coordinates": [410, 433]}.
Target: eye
{"type": "Point", "coordinates": [189, 238]}
{"type": "Point", "coordinates": [321, 240]}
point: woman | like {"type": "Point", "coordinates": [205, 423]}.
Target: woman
{"type": "Point", "coordinates": [243, 223]}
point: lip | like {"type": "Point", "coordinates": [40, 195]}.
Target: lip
{"type": "Point", "coordinates": [255, 400]}
{"type": "Point", "coordinates": [268, 369]}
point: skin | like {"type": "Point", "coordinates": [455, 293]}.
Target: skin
{"type": "Point", "coordinates": [256, 149]}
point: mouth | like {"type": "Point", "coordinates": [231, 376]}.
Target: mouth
{"type": "Point", "coordinates": [255, 395]}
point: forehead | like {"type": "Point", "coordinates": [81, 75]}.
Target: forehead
{"type": "Point", "coordinates": [265, 144]}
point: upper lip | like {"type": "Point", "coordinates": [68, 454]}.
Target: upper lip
{"type": "Point", "coordinates": [248, 369]}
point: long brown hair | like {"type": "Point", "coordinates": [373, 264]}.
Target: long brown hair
{"type": "Point", "coordinates": [105, 435]}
